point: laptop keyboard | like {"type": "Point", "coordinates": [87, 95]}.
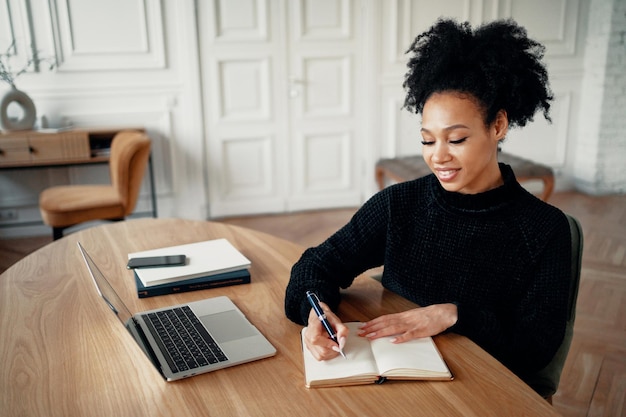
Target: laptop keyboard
{"type": "Point", "coordinates": [179, 332]}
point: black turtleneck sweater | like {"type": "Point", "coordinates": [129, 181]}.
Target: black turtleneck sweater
{"type": "Point", "coordinates": [502, 256]}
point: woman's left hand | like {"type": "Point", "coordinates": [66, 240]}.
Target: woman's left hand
{"type": "Point", "coordinates": [411, 324]}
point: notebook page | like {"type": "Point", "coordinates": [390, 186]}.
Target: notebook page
{"type": "Point", "coordinates": [420, 354]}
{"type": "Point", "coordinates": [359, 360]}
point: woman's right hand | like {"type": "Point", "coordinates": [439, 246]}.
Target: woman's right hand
{"type": "Point", "coordinates": [317, 340]}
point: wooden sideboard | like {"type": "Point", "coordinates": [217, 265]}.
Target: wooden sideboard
{"type": "Point", "coordinates": [43, 148]}
{"type": "Point", "coordinates": [35, 148]}
{"type": "Point", "coordinates": [64, 148]}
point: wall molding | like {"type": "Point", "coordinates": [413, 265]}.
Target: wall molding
{"type": "Point", "coordinates": [131, 44]}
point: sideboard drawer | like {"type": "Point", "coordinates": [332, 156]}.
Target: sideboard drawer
{"type": "Point", "coordinates": [14, 150]}
{"type": "Point", "coordinates": [42, 148]}
{"type": "Point", "coordinates": [67, 146]}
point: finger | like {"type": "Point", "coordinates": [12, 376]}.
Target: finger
{"type": "Point", "coordinates": [321, 353]}
{"type": "Point", "coordinates": [320, 347]}
{"type": "Point", "coordinates": [381, 333]}
{"type": "Point", "coordinates": [336, 349]}
{"type": "Point", "coordinates": [383, 328]}
{"type": "Point", "coordinates": [318, 341]}
{"type": "Point", "coordinates": [315, 334]}
{"type": "Point", "coordinates": [371, 326]}
{"type": "Point", "coordinates": [401, 338]}
{"type": "Point", "coordinates": [316, 328]}
{"type": "Point", "coordinates": [342, 343]}
{"type": "Point", "coordinates": [380, 322]}
{"type": "Point", "coordinates": [313, 319]}
{"type": "Point", "coordinates": [340, 329]}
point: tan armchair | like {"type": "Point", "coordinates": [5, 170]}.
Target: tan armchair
{"type": "Point", "coordinates": [69, 205]}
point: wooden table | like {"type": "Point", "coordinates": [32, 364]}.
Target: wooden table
{"type": "Point", "coordinates": [62, 353]}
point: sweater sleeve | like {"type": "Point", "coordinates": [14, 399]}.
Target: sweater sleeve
{"type": "Point", "coordinates": [355, 248]}
{"type": "Point", "coordinates": [528, 339]}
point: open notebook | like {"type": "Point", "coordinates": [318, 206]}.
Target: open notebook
{"type": "Point", "coordinates": [375, 361]}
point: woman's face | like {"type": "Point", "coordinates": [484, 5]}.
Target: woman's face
{"type": "Point", "coordinates": [457, 145]}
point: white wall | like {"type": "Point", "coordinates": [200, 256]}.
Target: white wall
{"type": "Point", "coordinates": [601, 151]}
{"type": "Point", "coordinates": [139, 63]}
{"type": "Point", "coordinates": [120, 63]}
{"type": "Point", "coordinates": [558, 24]}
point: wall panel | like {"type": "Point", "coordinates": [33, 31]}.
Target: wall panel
{"type": "Point", "coordinates": [542, 141]}
{"type": "Point", "coordinates": [16, 36]}
{"type": "Point", "coordinates": [405, 19]}
{"type": "Point", "coordinates": [556, 26]}
{"type": "Point", "coordinates": [133, 34]}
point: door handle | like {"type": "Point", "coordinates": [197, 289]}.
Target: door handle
{"type": "Point", "coordinates": [295, 86]}
{"type": "Point", "coordinates": [295, 80]}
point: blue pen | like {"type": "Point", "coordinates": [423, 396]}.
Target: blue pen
{"type": "Point", "coordinates": [315, 303]}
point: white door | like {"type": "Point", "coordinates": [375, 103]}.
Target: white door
{"type": "Point", "coordinates": [279, 85]}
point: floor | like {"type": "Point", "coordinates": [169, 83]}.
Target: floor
{"type": "Point", "coordinates": [594, 379]}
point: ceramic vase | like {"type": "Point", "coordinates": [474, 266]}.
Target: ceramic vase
{"type": "Point", "coordinates": [29, 113]}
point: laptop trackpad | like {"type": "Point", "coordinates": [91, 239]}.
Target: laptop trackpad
{"type": "Point", "coordinates": [227, 326]}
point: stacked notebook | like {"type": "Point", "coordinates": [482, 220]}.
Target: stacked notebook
{"type": "Point", "coordinates": [209, 264]}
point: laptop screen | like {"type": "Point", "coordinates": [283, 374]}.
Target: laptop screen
{"type": "Point", "coordinates": [105, 290]}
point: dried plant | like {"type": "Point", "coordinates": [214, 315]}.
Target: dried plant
{"type": "Point", "coordinates": [9, 76]}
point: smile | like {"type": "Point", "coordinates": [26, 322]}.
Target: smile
{"type": "Point", "coordinates": [446, 174]}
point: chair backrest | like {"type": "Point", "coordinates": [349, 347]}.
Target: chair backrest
{"type": "Point", "coordinates": [130, 151]}
{"type": "Point", "coordinates": [546, 381]}
{"type": "Point", "coordinates": [577, 257]}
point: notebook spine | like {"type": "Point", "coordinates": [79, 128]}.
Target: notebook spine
{"type": "Point", "coordinates": [202, 283]}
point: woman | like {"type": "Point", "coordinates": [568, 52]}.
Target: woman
{"type": "Point", "coordinates": [480, 255]}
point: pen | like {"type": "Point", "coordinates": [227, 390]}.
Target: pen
{"type": "Point", "coordinates": [314, 301]}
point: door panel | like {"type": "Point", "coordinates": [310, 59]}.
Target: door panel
{"type": "Point", "coordinates": [279, 82]}
{"type": "Point", "coordinates": [247, 166]}
{"type": "Point", "coordinates": [325, 50]}
{"type": "Point", "coordinates": [238, 20]}
{"type": "Point", "coordinates": [244, 90]}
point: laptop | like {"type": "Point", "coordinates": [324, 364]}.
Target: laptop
{"type": "Point", "coordinates": [187, 339]}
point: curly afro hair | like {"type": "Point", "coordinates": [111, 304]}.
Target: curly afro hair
{"type": "Point", "coordinates": [496, 64]}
